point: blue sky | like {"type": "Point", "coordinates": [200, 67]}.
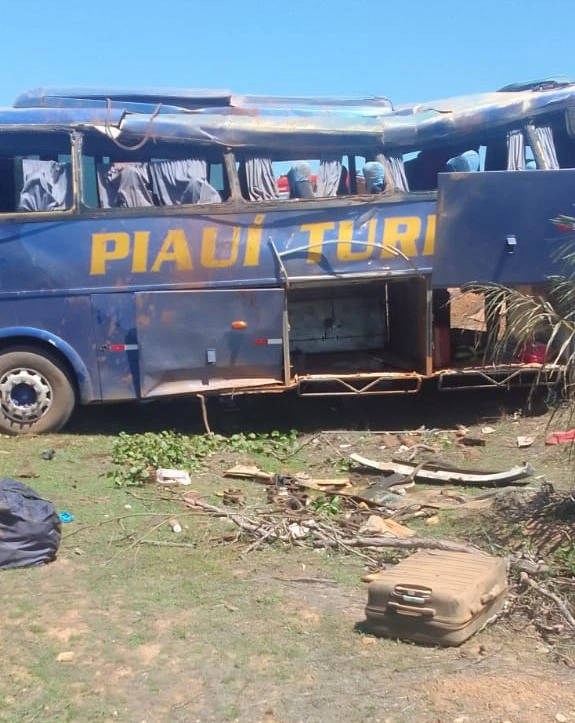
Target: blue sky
{"type": "Point", "coordinates": [406, 49]}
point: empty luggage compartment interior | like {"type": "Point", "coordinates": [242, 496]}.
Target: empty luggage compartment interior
{"type": "Point", "coordinates": [349, 328]}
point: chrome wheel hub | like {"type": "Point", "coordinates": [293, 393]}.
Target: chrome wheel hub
{"type": "Point", "coordinates": [25, 395]}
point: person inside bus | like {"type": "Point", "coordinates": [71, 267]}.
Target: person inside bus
{"type": "Point", "coordinates": [299, 179]}
{"type": "Point", "coordinates": [467, 162]}
{"type": "Point", "coordinates": [374, 174]}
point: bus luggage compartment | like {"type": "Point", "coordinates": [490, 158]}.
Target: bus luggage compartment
{"type": "Point", "coordinates": [340, 328]}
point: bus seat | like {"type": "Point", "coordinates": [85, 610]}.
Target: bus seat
{"type": "Point", "coordinates": [180, 181]}
{"type": "Point", "coordinates": [46, 186]}
{"type": "Point", "coordinates": [299, 179]}
{"type": "Point", "coordinates": [124, 185]}
{"type": "Point", "coordinates": [467, 162]}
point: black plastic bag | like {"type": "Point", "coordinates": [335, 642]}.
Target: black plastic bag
{"type": "Point", "coordinates": [29, 526]}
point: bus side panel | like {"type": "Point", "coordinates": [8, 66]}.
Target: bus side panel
{"type": "Point", "coordinates": [193, 341]}
{"type": "Point", "coordinates": [496, 226]}
{"type": "Point", "coordinates": [114, 317]}
{"type": "Point", "coordinates": [60, 317]}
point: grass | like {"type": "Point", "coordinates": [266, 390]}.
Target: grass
{"type": "Point", "coordinates": [202, 633]}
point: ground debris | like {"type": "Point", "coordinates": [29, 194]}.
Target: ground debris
{"type": "Point", "coordinates": [172, 477]}
{"type": "Point", "coordinates": [376, 525]}
{"type": "Point", "coordinates": [435, 473]}
{"type": "Point", "coordinates": [469, 441]}
{"type": "Point", "coordinates": [317, 531]}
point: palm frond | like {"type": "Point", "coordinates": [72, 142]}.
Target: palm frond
{"type": "Point", "coordinates": [515, 319]}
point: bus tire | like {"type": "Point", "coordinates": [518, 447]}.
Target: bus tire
{"type": "Point", "coordinates": [36, 392]}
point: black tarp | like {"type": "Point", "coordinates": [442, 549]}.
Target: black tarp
{"type": "Point", "coordinates": [29, 526]}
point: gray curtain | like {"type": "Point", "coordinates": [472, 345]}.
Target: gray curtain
{"type": "Point", "coordinates": [47, 186]}
{"type": "Point", "coordinates": [328, 177]}
{"type": "Point", "coordinates": [515, 151]}
{"type": "Point", "coordinates": [124, 185]}
{"type": "Point", "coordinates": [182, 181]}
{"type": "Point", "coordinates": [398, 176]}
{"type": "Point", "coordinates": [544, 136]}
{"type": "Point", "coordinates": [257, 176]}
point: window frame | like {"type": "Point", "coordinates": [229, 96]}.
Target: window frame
{"type": "Point", "coordinates": [189, 209]}
{"type": "Point", "coordinates": [27, 216]}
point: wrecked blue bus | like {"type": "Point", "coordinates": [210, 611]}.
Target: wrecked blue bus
{"type": "Point", "coordinates": [149, 249]}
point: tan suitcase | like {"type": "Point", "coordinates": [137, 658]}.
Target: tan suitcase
{"type": "Point", "coordinates": [436, 597]}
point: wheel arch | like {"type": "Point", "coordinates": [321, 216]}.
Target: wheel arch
{"type": "Point", "coordinates": [57, 348]}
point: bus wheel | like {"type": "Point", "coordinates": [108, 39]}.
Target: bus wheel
{"type": "Point", "coordinates": [36, 394]}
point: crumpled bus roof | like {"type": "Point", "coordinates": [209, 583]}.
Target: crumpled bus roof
{"type": "Point", "coordinates": [271, 122]}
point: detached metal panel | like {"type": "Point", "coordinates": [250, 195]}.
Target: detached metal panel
{"type": "Point", "coordinates": [193, 341]}
{"type": "Point", "coordinates": [496, 226]}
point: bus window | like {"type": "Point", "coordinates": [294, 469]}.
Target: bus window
{"type": "Point", "coordinates": [266, 179]}
{"type": "Point", "coordinates": [183, 175]}
{"type": "Point", "coordinates": [35, 172]}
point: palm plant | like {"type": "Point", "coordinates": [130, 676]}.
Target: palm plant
{"type": "Point", "coordinates": [516, 319]}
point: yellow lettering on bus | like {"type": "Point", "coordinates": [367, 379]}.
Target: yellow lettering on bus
{"type": "Point", "coordinates": [174, 248]}
{"type": "Point", "coordinates": [429, 243]}
{"type": "Point", "coordinates": [108, 247]}
{"type": "Point", "coordinates": [401, 233]}
{"type": "Point", "coordinates": [316, 232]}
{"type": "Point", "coordinates": [254, 241]}
{"type": "Point", "coordinates": [209, 248]}
{"type": "Point", "coordinates": [140, 254]}
{"type": "Point", "coordinates": [345, 251]}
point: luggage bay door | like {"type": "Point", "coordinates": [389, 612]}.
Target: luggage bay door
{"type": "Point", "coordinates": [199, 341]}
{"type": "Point", "coordinates": [496, 226]}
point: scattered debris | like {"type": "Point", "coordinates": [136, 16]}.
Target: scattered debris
{"type": "Point", "coordinates": [65, 657]}
{"type": "Point", "coordinates": [175, 525]}
{"type": "Point", "coordinates": [27, 474]}
{"type": "Point", "coordinates": [65, 517]}
{"type": "Point", "coordinates": [487, 430]}
{"type": "Point", "coordinates": [468, 441]}
{"type": "Point", "coordinates": [377, 525]}
{"type": "Point", "coordinates": [339, 532]}
{"type": "Point", "coordinates": [442, 473]}
{"type": "Point", "coordinates": [390, 441]}
{"type": "Point", "coordinates": [48, 454]}
{"type": "Point", "coordinates": [173, 477]}
{"type": "Point", "coordinates": [242, 471]}
{"type": "Point", "coordinates": [561, 605]}
{"type": "Point", "coordinates": [233, 496]}
{"type": "Point", "coordinates": [561, 437]}
{"type": "Point", "coordinates": [525, 441]}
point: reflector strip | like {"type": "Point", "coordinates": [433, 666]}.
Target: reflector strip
{"type": "Point", "coordinates": [123, 347]}
{"type": "Point", "coordinates": [267, 342]}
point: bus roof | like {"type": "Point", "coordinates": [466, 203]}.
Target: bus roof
{"type": "Point", "coordinates": [271, 122]}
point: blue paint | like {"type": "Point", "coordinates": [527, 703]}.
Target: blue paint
{"type": "Point", "coordinates": [140, 301]}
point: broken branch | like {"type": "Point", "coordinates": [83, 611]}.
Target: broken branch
{"type": "Point", "coordinates": [524, 577]}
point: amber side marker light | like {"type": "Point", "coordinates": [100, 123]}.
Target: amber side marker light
{"type": "Point", "coordinates": [239, 324]}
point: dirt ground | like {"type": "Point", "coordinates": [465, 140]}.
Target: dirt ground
{"type": "Point", "coordinates": [121, 630]}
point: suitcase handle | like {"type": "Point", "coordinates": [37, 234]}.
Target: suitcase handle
{"type": "Point", "coordinates": [411, 610]}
